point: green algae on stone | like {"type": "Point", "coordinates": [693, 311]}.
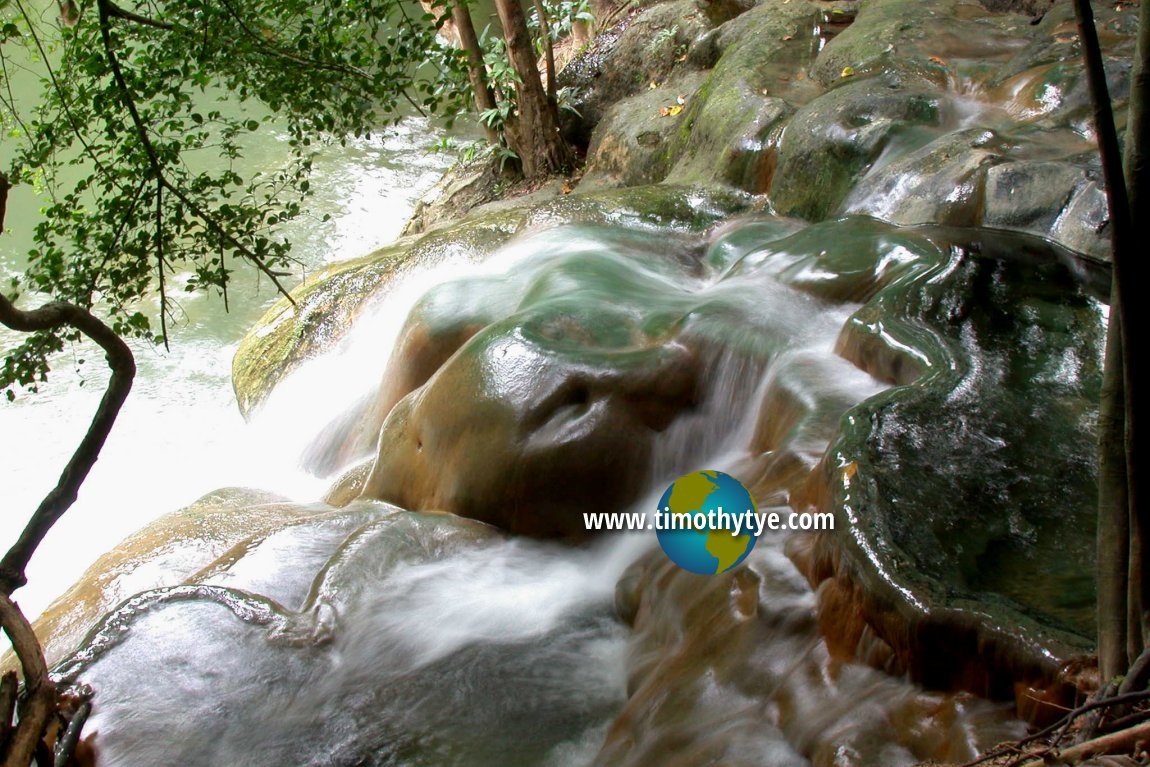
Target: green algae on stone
{"type": "Point", "coordinates": [628, 147]}
{"type": "Point", "coordinates": [965, 496]}
{"type": "Point", "coordinates": [326, 305]}
{"type": "Point", "coordinates": [832, 141]}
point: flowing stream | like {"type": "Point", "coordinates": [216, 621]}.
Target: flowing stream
{"type": "Point", "coordinates": [640, 346]}
{"type": "Point", "coordinates": [180, 434]}
{"type": "Point", "coordinates": [376, 636]}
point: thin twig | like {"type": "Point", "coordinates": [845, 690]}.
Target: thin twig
{"type": "Point", "coordinates": [160, 262]}
{"type": "Point", "coordinates": [1117, 742]}
{"type": "Point", "coordinates": [126, 15]}
{"type": "Point", "coordinates": [1060, 725]}
{"type": "Point", "coordinates": [153, 157]}
{"type": "Point", "coordinates": [1127, 721]}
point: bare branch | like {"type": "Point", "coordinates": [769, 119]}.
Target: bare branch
{"type": "Point", "coordinates": [61, 497]}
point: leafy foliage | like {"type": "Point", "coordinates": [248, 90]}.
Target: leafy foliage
{"type": "Point", "coordinates": [155, 105]}
{"type": "Point", "coordinates": [562, 16]}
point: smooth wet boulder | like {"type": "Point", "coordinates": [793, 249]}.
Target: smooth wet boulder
{"type": "Point", "coordinates": [170, 549]}
{"type": "Point", "coordinates": [830, 143]}
{"type": "Point", "coordinates": [538, 419]}
{"type": "Point", "coordinates": [439, 323]}
{"type": "Point", "coordinates": [1062, 200]}
{"type": "Point", "coordinates": [609, 354]}
{"type": "Point", "coordinates": [942, 182]}
{"type": "Point", "coordinates": [965, 497]}
{"type": "Point", "coordinates": [442, 321]}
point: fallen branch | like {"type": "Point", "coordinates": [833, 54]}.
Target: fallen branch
{"type": "Point", "coordinates": [1059, 728]}
{"type": "Point", "coordinates": [1116, 743]}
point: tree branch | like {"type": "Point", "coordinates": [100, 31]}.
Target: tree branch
{"type": "Point", "coordinates": [40, 692]}
{"type": "Point", "coordinates": [126, 15]}
{"type": "Point", "coordinates": [1116, 743]}
{"type": "Point", "coordinates": [123, 365]}
{"type": "Point", "coordinates": [275, 50]}
{"type": "Point", "coordinates": [105, 15]}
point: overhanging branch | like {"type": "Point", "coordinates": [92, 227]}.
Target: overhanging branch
{"type": "Point", "coordinates": [49, 317]}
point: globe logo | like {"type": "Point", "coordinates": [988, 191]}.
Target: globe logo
{"type": "Point", "coordinates": [706, 522]}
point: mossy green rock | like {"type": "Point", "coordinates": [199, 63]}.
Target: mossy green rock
{"type": "Point", "coordinates": [645, 46]}
{"type": "Point", "coordinates": [830, 143]}
{"type": "Point", "coordinates": [629, 146]}
{"type": "Point", "coordinates": [322, 309]}
{"type": "Point", "coordinates": [965, 496]}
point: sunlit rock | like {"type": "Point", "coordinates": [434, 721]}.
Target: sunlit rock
{"type": "Point", "coordinates": [167, 551]}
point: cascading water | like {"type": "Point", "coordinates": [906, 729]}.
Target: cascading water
{"type": "Point", "coordinates": [372, 635]}
{"type": "Point", "coordinates": [930, 387]}
{"type": "Point", "coordinates": [180, 435]}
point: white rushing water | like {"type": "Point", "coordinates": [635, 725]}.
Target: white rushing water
{"type": "Point", "coordinates": [382, 637]}
{"type": "Point", "coordinates": [180, 434]}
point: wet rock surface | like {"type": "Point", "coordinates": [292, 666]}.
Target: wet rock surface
{"type": "Point", "coordinates": [931, 386]}
{"type": "Point", "coordinates": [385, 636]}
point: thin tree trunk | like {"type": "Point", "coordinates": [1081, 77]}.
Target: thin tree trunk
{"type": "Point", "coordinates": [533, 133]}
{"type": "Point", "coordinates": [548, 49]}
{"type": "Point", "coordinates": [39, 691]}
{"type": "Point", "coordinates": [1114, 641]}
{"type": "Point", "coordinates": [476, 71]}
{"type": "Point", "coordinates": [1121, 244]}
{"type": "Point", "coordinates": [1136, 170]}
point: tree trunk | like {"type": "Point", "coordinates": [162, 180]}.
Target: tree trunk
{"type": "Point", "coordinates": [1137, 141]}
{"type": "Point", "coordinates": [1115, 642]}
{"type": "Point", "coordinates": [1119, 370]}
{"type": "Point", "coordinates": [533, 132]}
{"type": "Point", "coordinates": [476, 71]}
{"type": "Point", "coordinates": [548, 49]}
